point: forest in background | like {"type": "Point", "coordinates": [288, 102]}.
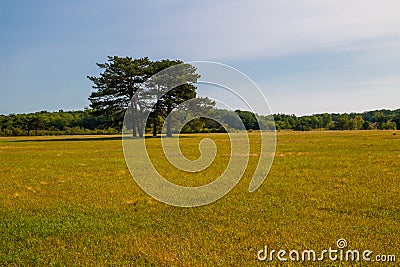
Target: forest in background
{"type": "Point", "coordinates": [88, 122]}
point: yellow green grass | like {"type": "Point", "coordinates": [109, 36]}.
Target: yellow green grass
{"type": "Point", "coordinates": [72, 201]}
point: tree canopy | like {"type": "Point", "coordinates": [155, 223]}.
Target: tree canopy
{"type": "Point", "coordinates": [125, 83]}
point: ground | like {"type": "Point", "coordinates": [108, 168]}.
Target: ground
{"type": "Point", "coordinates": [72, 201]}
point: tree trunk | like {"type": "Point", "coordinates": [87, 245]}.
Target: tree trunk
{"type": "Point", "coordinates": [169, 125]}
{"type": "Point", "coordinates": [134, 131]}
{"type": "Point", "coordinates": [154, 126]}
{"type": "Point", "coordinates": [133, 114]}
{"type": "Point", "coordinates": [139, 120]}
{"type": "Point", "coordinates": [140, 129]}
{"type": "Point", "coordinates": [139, 125]}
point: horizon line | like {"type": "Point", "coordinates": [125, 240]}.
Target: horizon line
{"type": "Point", "coordinates": [274, 113]}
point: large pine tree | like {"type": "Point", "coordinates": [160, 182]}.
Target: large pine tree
{"type": "Point", "coordinates": [124, 84]}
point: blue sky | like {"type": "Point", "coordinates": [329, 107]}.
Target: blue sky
{"type": "Point", "coordinates": [306, 56]}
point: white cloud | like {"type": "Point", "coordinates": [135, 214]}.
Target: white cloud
{"type": "Point", "coordinates": [238, 29]}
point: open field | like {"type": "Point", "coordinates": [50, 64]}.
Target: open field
{"type": "Point", "coordinates": [72, 201]}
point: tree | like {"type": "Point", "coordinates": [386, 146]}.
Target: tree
{"type": "Point", "coordinates": [33, 123]}
{"type": "Point", "coordinates": [116, 87]}
{"type": "Point", "coordinates": [397, 121]}
{"type": "Point", "coordinates": [359, 121]}
{"type": "Point", "coordinates": [342, 122]}
{"type": "Point", "coordinates": [249, 119]}
{"type": "Point", "coordinates": [166, 95]}
{"type": "Point", "coordinates": [380, 119]}
{"type": "Point", "coordinates": [326, 120]}
{"type": "Point", "coordinates": [302, 125]}
{"type": "Point", "coordinates": [314, 122]}
{"type": "Point", "coordinates": [352, 124]}
{"type": "Point", "coordinates": [366, 125]}
{"type": "Point", "coordinates": [125, 83]}
{"type": "Point", "coordinates": [390, 125]}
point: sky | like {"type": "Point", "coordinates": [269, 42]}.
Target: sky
{"type": "Point", "coordinates": [307, 57]}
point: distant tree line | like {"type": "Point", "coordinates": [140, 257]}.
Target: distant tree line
{"type": "Point", "coordinates": [57, 123]}
{"type": "Point", "coordinates": [89, 122]}
{"type": "Point", "coordinates": [378, 119]}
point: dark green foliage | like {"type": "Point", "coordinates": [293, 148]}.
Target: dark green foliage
{"type": "Point", "coordinates": [397, 121]}
{"type": "Point", "coordinates": [115, 88]}
{"type": "Point", "coordinates": [366, 125]}
{"type": "Point", "coordinates": [168, 97]}
{"type": "Point", "coordinates": [379, 119]}
{"type": "Point", "coordinates": [302, 125]}
{"type": "Point", "coordinates": [89, 122]}
{"type": "Point", "coordinates": [55, 123]}
{"type": "Point", "coordinates": [342, 122]}
{"type": "Point", "coordinates": [125, 83]}
{"type": "Point", "coordinates": [249, 120]}
{"type": "Point", "coordinates": [326, 119]}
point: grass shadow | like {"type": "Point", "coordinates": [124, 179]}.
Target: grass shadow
{"type": "Point", "coordinates": [69, 139]}
{"type": "Point", "coordinates": [77, 139]}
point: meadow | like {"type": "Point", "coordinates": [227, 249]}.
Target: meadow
{"type": "Point", "coordinates": [68, 201]}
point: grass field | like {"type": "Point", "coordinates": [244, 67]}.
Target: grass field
{"type": "Point", "coordinates": [72, 201]}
